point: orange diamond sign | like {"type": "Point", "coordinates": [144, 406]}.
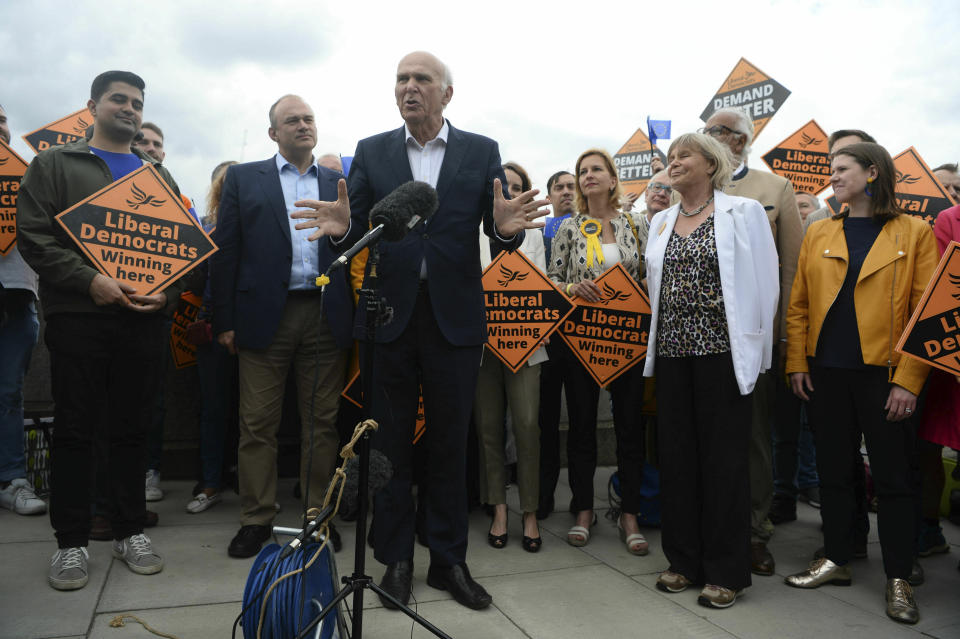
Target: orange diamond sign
{"type": "Point", "coordinates": [523, 307]}
{"type": "Point", "coordinates": [933, 333]}
{"type": "Point", "coordinates": [610, 336]}
{"type": "Point", "coordinates": [183, 351]}
{"type": "Point", "coordinates": [137, 231]}
{"type": "Point", "coordinates": [803, 158]}
{"type": "Point", "coordinates": [750, 89]}
{"type": "Point", "coordinates": [918, 190]}
{"type": "Point", "coordinates": [633, 162]}
{"type": "Point", "coordinates": [12, 168]}
{"type": "Point", "coordinates": [67, 129]}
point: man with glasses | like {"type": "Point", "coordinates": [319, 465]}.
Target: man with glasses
{"type": "Point", "coordinates": [734, 128]}
{"type": "Point", "coordinates": [657, 195]}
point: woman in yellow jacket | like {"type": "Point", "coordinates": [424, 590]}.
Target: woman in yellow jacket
{"type": "Point", "coordinates": [859, 278]}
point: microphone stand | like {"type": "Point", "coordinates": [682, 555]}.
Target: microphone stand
{"type": "Point", "coordinates": [357, 582]}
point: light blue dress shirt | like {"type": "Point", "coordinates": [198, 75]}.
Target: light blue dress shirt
{"type": "Point", "coordinates": [305, 265]}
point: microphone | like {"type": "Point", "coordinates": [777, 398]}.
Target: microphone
{"type": "Point", "coordinates": [381, 471]}
{"type": "Point", "coordinates": [370, 237]}
{"type": "Point", "coordinates": [311, 528]}
{"type": "Point", "coordinates": [393, 217]}
{"type": "Point", "coordinates": [404, 208]}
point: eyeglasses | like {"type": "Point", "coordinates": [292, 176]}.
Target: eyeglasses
{"type": "Point", "coordinates": [656, 187]}
{"type": "Point", "coordinates": [717, 130]}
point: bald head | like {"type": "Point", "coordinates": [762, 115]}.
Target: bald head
{"type": "Point", "coordinates": [423, 89]}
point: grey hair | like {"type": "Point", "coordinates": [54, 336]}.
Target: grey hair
{"type": "Point", "coordinates": [816, 200]}
{"type": "Point", "coordinates": [713, 151]}
{"type": "Point", "coordinates": [744, 126]}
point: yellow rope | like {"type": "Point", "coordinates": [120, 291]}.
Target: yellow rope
{"type": "Point", "coordinates": [336, 484]}
{"type": "Point", "coordinates": [117, 622]}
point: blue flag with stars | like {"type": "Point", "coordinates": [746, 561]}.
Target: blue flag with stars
{"type": "Point", "coordinates": [657, 130]}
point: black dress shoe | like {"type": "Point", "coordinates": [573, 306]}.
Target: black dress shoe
{"type": "Point", "coordinates": [396, 581]}
{"type": "Point", "coordinates": [248, 541]}
{"type": "Point", "coordinates": [151, 519]}
{"type": "Point", "coordinates": [461, 585]}
{"type": "Point", "coordinates": [761, 561]}
{"type": "Point", "coordinates": [783, 510]}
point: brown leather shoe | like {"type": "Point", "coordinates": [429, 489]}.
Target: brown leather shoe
{"type": "Point", "coordinates": [761, 561]}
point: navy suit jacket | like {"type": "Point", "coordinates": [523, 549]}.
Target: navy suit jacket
{"type": "Point", "coordinates": [449, 241]}
{"type": "Point", "coordinates": [250, 274]}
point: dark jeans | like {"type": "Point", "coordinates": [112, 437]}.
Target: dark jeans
{"type": "Point", "coordinates": [582, 397]}
{"type": "Point", "coordinates": [705, 425]}
{"type": "Point", "coordinates": [217, 371]}
{"type": "Point", "coordinates": [845, 404]}
{"type": "Point", "coordinates": [794, 460]}
{"type": "Point", "coordinates": [104, 369]}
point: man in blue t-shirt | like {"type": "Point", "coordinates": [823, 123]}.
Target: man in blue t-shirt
{"type": "Point", "coordinates": [106, 343]}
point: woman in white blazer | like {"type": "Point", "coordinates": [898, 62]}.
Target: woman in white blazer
{"type": "Point", "coordinates": [713, 277]}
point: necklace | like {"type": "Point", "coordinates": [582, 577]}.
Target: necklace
{"type": "Point", "coordinates": [696, 211]}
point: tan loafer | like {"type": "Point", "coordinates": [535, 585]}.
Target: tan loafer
{"type": "Point", "coordinates": [821, 571]}
{"type": "Point", "coordinates": [901, 606]}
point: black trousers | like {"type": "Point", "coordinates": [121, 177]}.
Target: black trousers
{"type": "Point", "coordinates": [553, 374]}
{"type": "Point", "coordinates": [104, 371]}
{"type": "Point", "coordinates": [704, 437]}
{"type": "Point", "coordinates": [844, 405]}
{"type": "Point", "coordinates": [448, 375]}
{"type": "Point", "coordinates": [583, 394]}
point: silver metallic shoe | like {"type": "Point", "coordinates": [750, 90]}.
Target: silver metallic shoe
{"type": "Point", "coordinates": [901, 606]}
{"type": "Point", "coordinates": [821, 571]}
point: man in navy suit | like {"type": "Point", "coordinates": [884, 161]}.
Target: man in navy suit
{"type": "Point", "coordinates": [431, 280]}
{"type": "Point", "coordinates": [267, 310]}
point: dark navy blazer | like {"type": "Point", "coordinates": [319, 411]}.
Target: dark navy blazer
{"type": "Point", "coordinates": [449, 241]}
{"type": "Point", "coordinates": [250, 273]}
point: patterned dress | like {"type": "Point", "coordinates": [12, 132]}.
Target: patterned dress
{"type": "Point", "coordinates": [692, 318]}
{"type": "Point", "coordinates": [568, 254]}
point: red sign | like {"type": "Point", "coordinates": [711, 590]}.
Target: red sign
{"type": "Point", "coordinates": [523, 307]}
{"type": "Point", "coordinates": [12, 168]}
{"type": "Point", "coordinates": [67, 129]}
{"type": "Point", "coordinates": [933, 333]}
{"type": "Point", "coordinates": [137, 231]}
{"type": "Point", "coordinates": [610, 336]}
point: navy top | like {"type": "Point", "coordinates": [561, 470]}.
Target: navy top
{"type": "Point", "coordinates": [839, 344]}
{"type": "Point", "coordinates": [120, 164]}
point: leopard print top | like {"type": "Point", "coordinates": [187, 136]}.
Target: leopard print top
{"type": "Point", "coordinates": [692, 320]}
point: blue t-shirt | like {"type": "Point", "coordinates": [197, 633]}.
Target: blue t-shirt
{"type": "Point", "coordinates": [120, 164]}
{"type": "Point", "coordinates": [839, 343]}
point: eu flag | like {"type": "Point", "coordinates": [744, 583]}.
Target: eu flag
{"type": "Point", "coordinates": [657, 129]}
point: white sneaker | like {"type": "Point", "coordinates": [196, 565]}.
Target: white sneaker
{"type": "Point", "coordinates": [138, 554]}
{"type": "Point", "coordinates": [153, 492]}
{"type": "Point", "coordinates": [201, 502]}
{"type": "Point", "coordinates": [20, 497]}
{"type": "Point", "coordinates": [68, 569]}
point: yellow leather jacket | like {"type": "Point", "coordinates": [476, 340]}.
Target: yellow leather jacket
{"type": "Point", "coordinates": [894, 274]}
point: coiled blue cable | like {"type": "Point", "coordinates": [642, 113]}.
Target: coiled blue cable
{"type": "Point", "coordinates": [282, 613]}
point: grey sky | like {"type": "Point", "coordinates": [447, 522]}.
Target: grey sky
{"type": "Point", "coordinates": [546, 79]}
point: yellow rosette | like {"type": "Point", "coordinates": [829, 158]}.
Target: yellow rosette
{"type": "Point", "coordinates": [591, 230]}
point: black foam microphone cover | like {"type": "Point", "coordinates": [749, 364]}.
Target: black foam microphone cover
{"type": "Point", "coordinates": [404, 208]}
